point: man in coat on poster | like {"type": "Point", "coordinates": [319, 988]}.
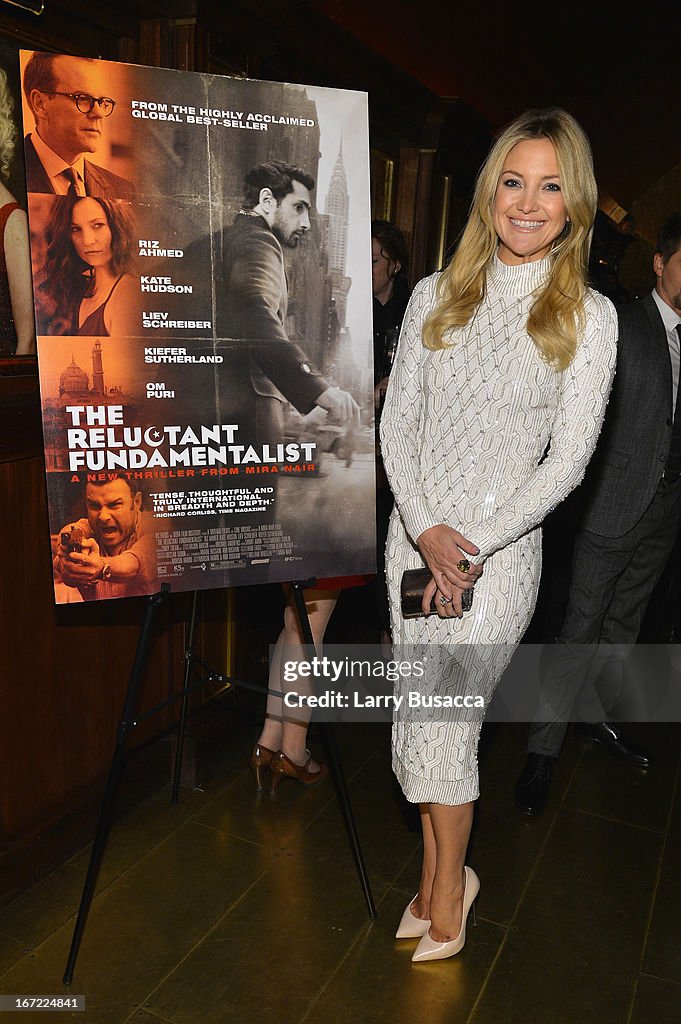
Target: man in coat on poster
{"type": "Point", "coordinates": [264, 368]}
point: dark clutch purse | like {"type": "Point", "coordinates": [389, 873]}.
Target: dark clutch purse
{"type": "Point", "coordinates": [412, 585]}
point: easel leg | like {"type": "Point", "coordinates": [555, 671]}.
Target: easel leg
{"type": "Point", "coordinates": [185, 701]}
{"type": "Point", "coordinates": [117, 765]}
{"type": "Point", "coordinates": [329, 739]}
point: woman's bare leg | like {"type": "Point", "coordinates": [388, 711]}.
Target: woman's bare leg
{"type": "Point", "coordinates": [421, 905]}
{"type": "Point", "coordinates": [451, 829]}
{"type": "Point", "coordinates": [283, 731]}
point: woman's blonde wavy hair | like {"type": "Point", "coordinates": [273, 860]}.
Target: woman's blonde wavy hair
{"type": "Point", "coordinates": [557, 313]}
{"type": "Point", "coordinates": [8, 129]}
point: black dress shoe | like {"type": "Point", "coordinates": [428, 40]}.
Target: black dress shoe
{"type": "Point", "coordinates": [613, 740]}
{"type": "Point", "coordinates": [531, 791]}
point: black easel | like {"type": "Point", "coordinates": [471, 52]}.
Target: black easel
{"type": "Point", "coordinates": [188, 658]}
{"type": "Point", "coordinates": [127, 722]}
{"type": "Point", "coordinates": [117, 764]}
{"type": "Point", "coordinates": [329, 740]}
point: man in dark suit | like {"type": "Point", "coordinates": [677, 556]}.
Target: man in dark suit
{"type": "Point", "coordinates": [64, 96]}
{"type": "Point", "coordinates": [632, 509]}
{"type": "Point", "coordinates": [264, 368]}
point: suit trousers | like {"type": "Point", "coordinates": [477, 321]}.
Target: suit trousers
{"type": "Point", "coordinates": [379, 587]}
{"type": "Point", "coordinates": [611, 583]}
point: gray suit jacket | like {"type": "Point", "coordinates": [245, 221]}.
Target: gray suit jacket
{"type": "Point", "coordinates": [261, 361]}
{"type": "Point", "coordinates": [98, 181]}
{"type": "Point", "coordinates": [632, 450]}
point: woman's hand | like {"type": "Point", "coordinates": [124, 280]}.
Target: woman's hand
{"type": "Point", "coordinates": [446, 553]}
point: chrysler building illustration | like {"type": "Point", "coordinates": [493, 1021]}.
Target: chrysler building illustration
{"type": "Point", "coordinates": [337, 209]}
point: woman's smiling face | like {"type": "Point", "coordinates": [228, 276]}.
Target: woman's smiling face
{"type": "Point", "coordinates": [529, 209]}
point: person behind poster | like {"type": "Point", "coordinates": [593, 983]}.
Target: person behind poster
{"type": "Point", "coordinates": [112, 552]}
{"type": "Point", "coordinates": [265, 369]}
{"type": "Point", "coordinates": [17, 325]}
{"type": "Point", "coordinates": [66, 97]}
{"type": "Point", "coordinates": [87, 285]}
{"type": "Point", "coordinates": [391, 291]}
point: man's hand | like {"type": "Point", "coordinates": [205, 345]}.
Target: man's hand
{"type": "Point", "coordinates": [379, 392]}
{"type": "Point", "coordinates": [340, 405]}
{"type": "Point", "coordinates": [446, 552]}
{"type": "Point", "coordinates": [80, 568]}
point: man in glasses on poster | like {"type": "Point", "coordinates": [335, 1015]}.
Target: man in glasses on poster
{"type": "Point", "coordinates": [65, 96]}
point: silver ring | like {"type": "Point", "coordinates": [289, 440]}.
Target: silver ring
{"type": "Point", "coordinates": [444, 601]}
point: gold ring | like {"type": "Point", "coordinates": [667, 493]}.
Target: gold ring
{"type": "Point", "coordinates": [463, 565]}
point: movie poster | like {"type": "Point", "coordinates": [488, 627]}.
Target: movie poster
{"type": "Point", "coordinates": [202, 275]}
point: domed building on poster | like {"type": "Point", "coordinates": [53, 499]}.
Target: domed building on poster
{"type": "Point", "coordinates": [73, 382]}
{"type": "Point", "coordinates": [76, 388]}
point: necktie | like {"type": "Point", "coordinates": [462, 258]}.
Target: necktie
{"type": "Point", "coordinates": [75, 183]}
{"type": "Point", "coordinates": [673, 468]}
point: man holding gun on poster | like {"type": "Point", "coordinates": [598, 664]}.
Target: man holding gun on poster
{"type": "Point", "coordinates": [112, 553]}
{"type": "Point", "coordinates": [64, 94]}
{"type": "Point", "coordinates": [266, 368]}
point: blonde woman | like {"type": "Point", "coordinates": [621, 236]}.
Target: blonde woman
{"type": "Point", "coordinates": [17, 325]}
{"type": "Point", "coordinates": [495, 403]}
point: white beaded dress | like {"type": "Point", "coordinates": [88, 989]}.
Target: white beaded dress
{"type": "Point", "coordinates": [464, 437]}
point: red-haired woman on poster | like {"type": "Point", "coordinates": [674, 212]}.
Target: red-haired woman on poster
{"type": "Point", "coordinates": [88, 280]}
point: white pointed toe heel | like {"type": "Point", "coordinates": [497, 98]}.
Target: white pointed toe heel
{"type": "Point", "coordinates": [411, 927]}
{"type": "Point", "coordinates": [428, 948]}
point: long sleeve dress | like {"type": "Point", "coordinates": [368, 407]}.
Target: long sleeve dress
{"type": "Point", "coordinates": [464, 434]}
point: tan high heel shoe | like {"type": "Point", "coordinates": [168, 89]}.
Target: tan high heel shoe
{"type": "Point", "coordinates": [428, 948]}
{"type": "Point", "coordinates": [261, 758]}
{"type": "Point", "coordinates": [282, 766]}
